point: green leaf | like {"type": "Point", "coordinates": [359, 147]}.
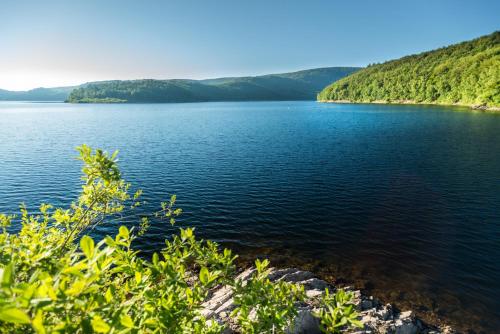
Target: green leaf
{"type": "Point", "coordinates": [76, 288]}
{"type": "Point", "coordinates": [127, 321]}
{"type": "Point", "coordinates": [108, 295]}
{"type": "Point", "coordinates": [109, 241]}
{"type": "Point", "coordinates": [7, 274]}
{"type": "Point", "coordinates": [123, 232]}
{"type": "Point", "coordinates": [38, 323]}
{"type": "Point", "coordinates": [138, 277]}
{"type": "Point", "coordinates": [99, 325]}
{"type": "Point", "coordinates": [357, 323]}
{"type": "Point", "coordinates": [87, 246]}
{"type": "Point", "coordinates": [14, 315]}
{"type": "Point", "coordinates": [204, 276]}
{"type": "Point", "coordinates": [75, 269]}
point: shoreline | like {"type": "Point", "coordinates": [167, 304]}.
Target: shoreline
{"type": "Point", "coordinates": [480, 108]}
{"type": "Point", "coordinates": [423, 308]}
{"type": "Point", "coordinates": [375, 316]}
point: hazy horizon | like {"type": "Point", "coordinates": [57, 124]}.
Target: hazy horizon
{"type": "Point", "coordinates": [57, 43]}
{"type": "Point", "coordinates": [197, 79]}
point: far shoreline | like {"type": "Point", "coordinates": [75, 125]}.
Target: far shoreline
{"type": "Point", "coordinates": [479, 108]}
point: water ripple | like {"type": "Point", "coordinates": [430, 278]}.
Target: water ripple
{"type": "Point", "coordinates": [401, 200]}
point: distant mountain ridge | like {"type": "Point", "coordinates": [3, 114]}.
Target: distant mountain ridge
{"type": "Point", "coordinates": [301, 85]}
{"type": "Point", "coordinates": [467, 73]}
{"type": "Point", "coordinates": [37, 94]}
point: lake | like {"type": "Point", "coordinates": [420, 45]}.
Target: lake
{"type": "Point", "coordinates": [402, 201]}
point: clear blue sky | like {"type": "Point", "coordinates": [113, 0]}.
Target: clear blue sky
{"type": "Point", "coordinates": [51, 43]}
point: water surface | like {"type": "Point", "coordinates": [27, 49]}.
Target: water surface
{"type": "Point", "coordinates": [403, 201]}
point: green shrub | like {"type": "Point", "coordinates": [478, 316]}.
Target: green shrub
{"type": "Point", "coordinates": [54, 278]}
{"type": "Point", "coordinates": [263, 306]}
{"type": "Point", "coordinates": [338, 312]}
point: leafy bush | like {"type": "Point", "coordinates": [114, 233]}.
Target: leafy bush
{"type": "Point", "coordinates": [57, 279]}
{"type": "Point", "coordinates": [263, 306]}
{"type": "Point", "coordinates": [337, 312]}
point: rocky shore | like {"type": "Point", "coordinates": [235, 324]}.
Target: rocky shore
{"type": "Point", "coordinates": [375, 316]}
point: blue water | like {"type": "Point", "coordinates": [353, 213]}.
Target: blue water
{"type": "Point", "coordinates": [403, 201]}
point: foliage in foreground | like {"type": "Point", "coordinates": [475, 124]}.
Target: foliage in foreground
{"type": "Point", "coordinates": [467, 73]}
{"type": "Point", "coordinates": [56, 279]}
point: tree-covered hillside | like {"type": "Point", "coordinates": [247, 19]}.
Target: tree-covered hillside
{"type": "Point", "coordinates": [37, 94]}
{"type": "Point", "coordinates": [467, 73]}
{"type": "Point", "coordinates": [302, 85]}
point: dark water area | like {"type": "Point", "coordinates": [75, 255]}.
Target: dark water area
{"type": "Point", "coordinates": [401, 201]}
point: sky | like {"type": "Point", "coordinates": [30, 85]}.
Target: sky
{"type": "Point", "coordinates": [60, 43]}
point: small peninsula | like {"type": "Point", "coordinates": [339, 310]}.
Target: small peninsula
{"type": "Point", "coordinates": [465, 74]}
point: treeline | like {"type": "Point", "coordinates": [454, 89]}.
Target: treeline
{"type": "Point", "coordinates": [467, 73]}
{"type": "Point", "coordinates": [302, 85]}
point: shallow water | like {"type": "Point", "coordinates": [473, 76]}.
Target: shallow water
{"type": "Point", "coordinates": [403, 201]}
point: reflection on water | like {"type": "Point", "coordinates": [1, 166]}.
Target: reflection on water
{"type": "Point", "coordinates": [402, 201]}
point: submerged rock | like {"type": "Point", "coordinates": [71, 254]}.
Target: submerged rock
{"type": "Point", "coordinates": [375, 317]}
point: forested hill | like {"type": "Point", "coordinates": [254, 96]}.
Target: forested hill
{"type": "Point", "coordinates": [302, 85]}
{"type": "Point", "coordinates": [37, 94]}
{"type": "Point", "coordinates": [467, 73]}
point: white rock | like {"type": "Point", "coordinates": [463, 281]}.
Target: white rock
{"type": "Point", "coordinates": [405, 315]}
{"type": "Point", "coordinates": [296, 276]}
{"type": "Point", "coordinates": [278, 273]}
{"type": "Point", "coordinates": [313, 293]}
{"type": "Point", "coordinates": [304, 323]}
{"type": "Point", "coordinates": [218, 298]}
{"type": "Point", "coordinates": [385, 313]}
{"type": "Point", "coordinates": [314, 283]}
{"type": "Point", "coordinates": [227, 307]}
